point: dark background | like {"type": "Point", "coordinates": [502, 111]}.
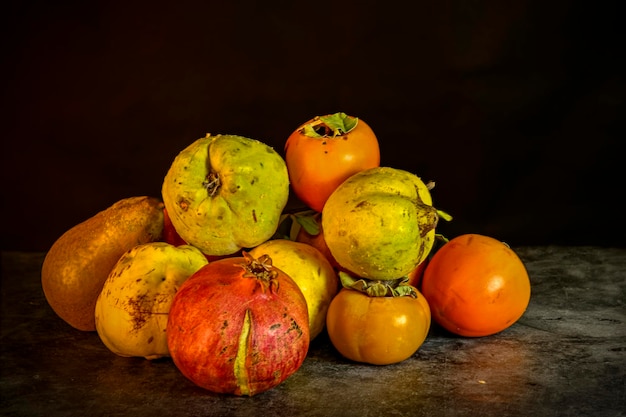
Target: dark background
{"type": "Point", "coordinates": [513, 108]}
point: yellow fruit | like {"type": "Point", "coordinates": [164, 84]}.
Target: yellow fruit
{"type": "Point", "coordinates": [380, 223]}
{"type": "Point", "coordinates": [310, 269]}
{"type": "Point", "coordinates": [133, 307]}
{"type": "Point", "coordinates": [79, 262]}
{"type": "Point", "coordinates": [226, 192]}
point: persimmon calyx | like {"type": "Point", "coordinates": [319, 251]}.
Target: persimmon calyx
{"type": "Point", "coordinates": [378, 288]}
{"type": "Point", "coordinates": [331, 125]}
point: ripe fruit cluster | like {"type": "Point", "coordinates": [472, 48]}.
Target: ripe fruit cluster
{"type": "Point", "coordinates": [220, 277]}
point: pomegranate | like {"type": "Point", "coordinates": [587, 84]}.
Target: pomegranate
{"type": "Point", "coordinates": [238, 326]}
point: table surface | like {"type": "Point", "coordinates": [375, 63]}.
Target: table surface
{"type": "Point", "coordinates": [565, 357]}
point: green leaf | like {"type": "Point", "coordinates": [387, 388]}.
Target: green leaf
{"type": "Point", "coordinates": [309, 130]}
{"type": "Point", "coordinates": [309, 221]}
{"type": "Point", "coordinates": [347, 280]}
{"type": "Point", "coordinates": [443, 215]}
{"type": "Point", "coordinates": [441, 237]}
{"type": "Point", "coordinates": [340, 123]}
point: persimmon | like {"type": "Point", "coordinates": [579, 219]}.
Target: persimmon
{"type": "Point", "coordinates": [476, 286]}
{"type": "Point", "coordinates": [324, 151]}
{"type": "Point", "coordinates": [377, 323]}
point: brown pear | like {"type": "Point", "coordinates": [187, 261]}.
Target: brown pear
{"type": "Point", "coordinates": [79, 262]}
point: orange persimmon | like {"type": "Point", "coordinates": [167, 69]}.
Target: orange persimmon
{"type": "Point", "coordinates": [476, 286]}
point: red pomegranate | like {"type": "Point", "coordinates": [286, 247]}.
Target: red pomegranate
{"type": "Point", "coordinates": [238, 326]}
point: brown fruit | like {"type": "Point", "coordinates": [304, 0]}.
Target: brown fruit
{"type": "Point", "coordinates": [79, 262]}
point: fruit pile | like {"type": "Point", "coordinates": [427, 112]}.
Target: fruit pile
{"type": "Point", "coordinates": [219, 276]}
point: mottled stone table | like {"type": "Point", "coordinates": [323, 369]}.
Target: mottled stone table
{"type": "Point", "coordinates": [565, 357]}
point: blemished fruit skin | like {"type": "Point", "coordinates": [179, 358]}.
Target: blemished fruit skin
{"type": "Point", "coordinates": [310, 269]}
{"type": "Point", "coordinates": [380, 223]}
{"type": "Point", "coordinates": [79, 261]}
{"type": "Point", "coordinates": [238, 326]}
{"type": "Point", "coordinates": [226, 192]}
{"type": "Point", "coordinates": [133, 306]}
